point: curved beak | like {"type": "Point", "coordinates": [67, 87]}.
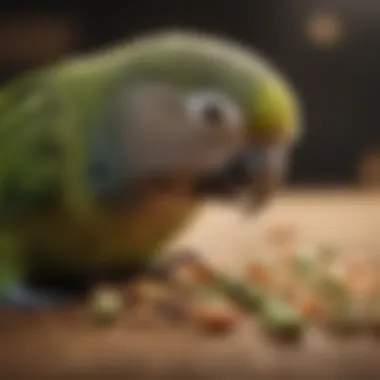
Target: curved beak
{"type": "Point", "coordinates": [266, 169]}
{"type": "Point", "coordinates": [256, 173]}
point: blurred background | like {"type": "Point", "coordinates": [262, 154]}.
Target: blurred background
{"type": "Point", "coordinates": [329, 49]}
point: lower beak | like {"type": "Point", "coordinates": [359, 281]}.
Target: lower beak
{"type": "Point", "coordinates": [257, 173]}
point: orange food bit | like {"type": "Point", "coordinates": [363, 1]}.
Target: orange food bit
{"type": "Point", "coordinates": [310, 306]}
{"type": "Point", "coordinates": [215, 314]}
{"type": "Point", "coordinates": [216, 320]}
{"type": "Point", "coordinates": [258, 274]}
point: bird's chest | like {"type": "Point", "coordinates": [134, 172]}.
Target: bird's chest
{"type": "Point", "coordinates": [110, 237]}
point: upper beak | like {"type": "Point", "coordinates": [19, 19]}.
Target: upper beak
{"type": "Point", "coordinates": [266, 169]}
{"type": "Point", "coordinates": [256, 172]}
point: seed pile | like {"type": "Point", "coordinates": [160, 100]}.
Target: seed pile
{"type": "Point", "coordinates": [316, 286]}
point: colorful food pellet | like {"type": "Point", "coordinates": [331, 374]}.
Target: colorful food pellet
{"type": "Point", "coordinates": [214, 314]}
{"type": "Point", "coordinates": [258, 273]}
{"type": "Point", "coordinates": [310, 306]}
{"type": "Point", "coordinates": [107, 304]}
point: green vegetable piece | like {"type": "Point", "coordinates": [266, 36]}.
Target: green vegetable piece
{"type": "Point", "coordinates": [245, 295]}
{"type": "Point", "coordinates": [281, 320]}
{"type": "Point", "coordinates": [331, 287]}
{"type": "Point", "coordinates": [107, 305]}
{"type": "Point", "coordinates": [304, 263]}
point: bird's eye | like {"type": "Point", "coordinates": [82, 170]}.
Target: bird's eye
{"type": "Point", "coordinates": [212, 114]}
{"type": "Point", "coordinates": [212, 110]}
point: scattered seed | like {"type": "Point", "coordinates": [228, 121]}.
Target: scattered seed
{"type": "Point", "coordinates": [107, 304]}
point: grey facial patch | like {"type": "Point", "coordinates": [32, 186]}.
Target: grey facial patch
{"type": "Point", "coordinates": [162, 137]}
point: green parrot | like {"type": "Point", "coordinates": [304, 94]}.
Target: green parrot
{"type": "Point", "coordinates": [103, 157]}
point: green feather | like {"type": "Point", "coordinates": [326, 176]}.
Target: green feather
{"type": "Point", "coordinates": [28, 171]}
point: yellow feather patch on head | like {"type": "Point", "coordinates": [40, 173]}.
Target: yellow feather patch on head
{"type": "Point", "coordinates": [276, 111]}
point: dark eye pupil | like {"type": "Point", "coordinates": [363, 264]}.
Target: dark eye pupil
{"type": "Point", "coordinates": [212, 114]}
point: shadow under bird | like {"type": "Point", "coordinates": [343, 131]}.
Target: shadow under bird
{"type": "Point", "coordinates": [104, 156]}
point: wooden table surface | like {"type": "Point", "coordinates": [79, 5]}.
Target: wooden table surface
{"type": "Point", "coordinates": [65, 345]}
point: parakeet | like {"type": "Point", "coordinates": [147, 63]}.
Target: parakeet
{"type": "Point", "coordinates": [106, 155]}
